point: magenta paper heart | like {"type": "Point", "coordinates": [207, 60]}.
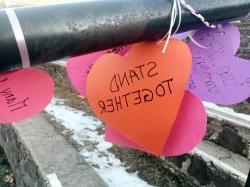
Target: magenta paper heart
{"type": "Point", "coordinates": [217, 75]}
{"type": "Point", "coordinates": [78, 67]}
{"type": "Point", "coordinates": [187, 131]}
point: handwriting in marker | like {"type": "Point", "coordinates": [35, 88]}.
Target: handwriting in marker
{"type": "Point", "coordinates": [79, 67]}
{"type": "Point", "coordinates": [24, 93]}
{"type": "Point", "coordinates": [139, 95]}
{"type": "Point", "coordinates": [217, 75]}
{"type": "Point", "coordinates": [12, 101]}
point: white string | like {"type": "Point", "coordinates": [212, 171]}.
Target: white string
{"type": "Point", "coordinates": [20, 39]}
{"type": "Point", "coordinates": [177, 10]}
{"type": "Point", "coordinates": [190, 36]}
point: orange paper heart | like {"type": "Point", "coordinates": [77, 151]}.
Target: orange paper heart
{"type": "Point", "coordinates": [140, 96]}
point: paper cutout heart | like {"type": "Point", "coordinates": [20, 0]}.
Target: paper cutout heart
{"type": "Point", "coordinates": [217, 75]}
{"type": "Point", "coordinates": [229, 37]}
{"type": "Point", "coordinates": [188, 130]}
{"type": "Point", "coordinates": [140, 95]}
{"type": "Point", "coordinates": [79, 67]}
{"type": "Point", "coordinates": [24, 93]}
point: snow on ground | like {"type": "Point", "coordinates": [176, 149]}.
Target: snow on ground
{"type": "Point", "coordinates": [53, 180]}
{"type": "Point", "coordinates": [95, 149]}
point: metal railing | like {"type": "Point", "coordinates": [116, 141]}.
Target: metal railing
{"type": "Point", "coordinates": [56, 31]}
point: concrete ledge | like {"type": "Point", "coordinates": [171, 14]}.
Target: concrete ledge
{"type": "Point", "coordinates": [35, 150]}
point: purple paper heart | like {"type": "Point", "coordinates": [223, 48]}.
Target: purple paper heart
{"type": "Point", "coordinates": [229, 37]}
{"type": "Point", "coordinates": [217, 75]}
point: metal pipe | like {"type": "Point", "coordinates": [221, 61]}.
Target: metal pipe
{"type": "Point", "coordinates": [56, 31]}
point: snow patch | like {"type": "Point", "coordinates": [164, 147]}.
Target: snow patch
{"type": "Point", "coordinates": [86, 132]}
{"type": "Point", "coordinates": [53, 180]}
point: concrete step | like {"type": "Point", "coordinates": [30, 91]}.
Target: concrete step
{"type": "Point", "coordinates": [228, 129]}
{"type": "Point", "coordinates": [40, 157]}
{"type": "Point", "coordinates": [212, 165]}
{"type": "Point", "coordinates": [224, 159]}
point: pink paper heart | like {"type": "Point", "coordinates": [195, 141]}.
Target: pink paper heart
{"type": "Point", "coordinates": [217, 75]}
{"type": "Point", "coordinates": [79, 67]}
{"type": "Point", "coordinates": [188, 129]}
{"type": "Point", "coordinates": [24, 93]}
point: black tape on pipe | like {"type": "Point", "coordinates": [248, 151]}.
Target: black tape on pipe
{"type": "Point", "coordinates": [56, 31]}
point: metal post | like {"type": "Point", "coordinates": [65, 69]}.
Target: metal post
{"type": "Point", "coordinates": [57, 31]}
